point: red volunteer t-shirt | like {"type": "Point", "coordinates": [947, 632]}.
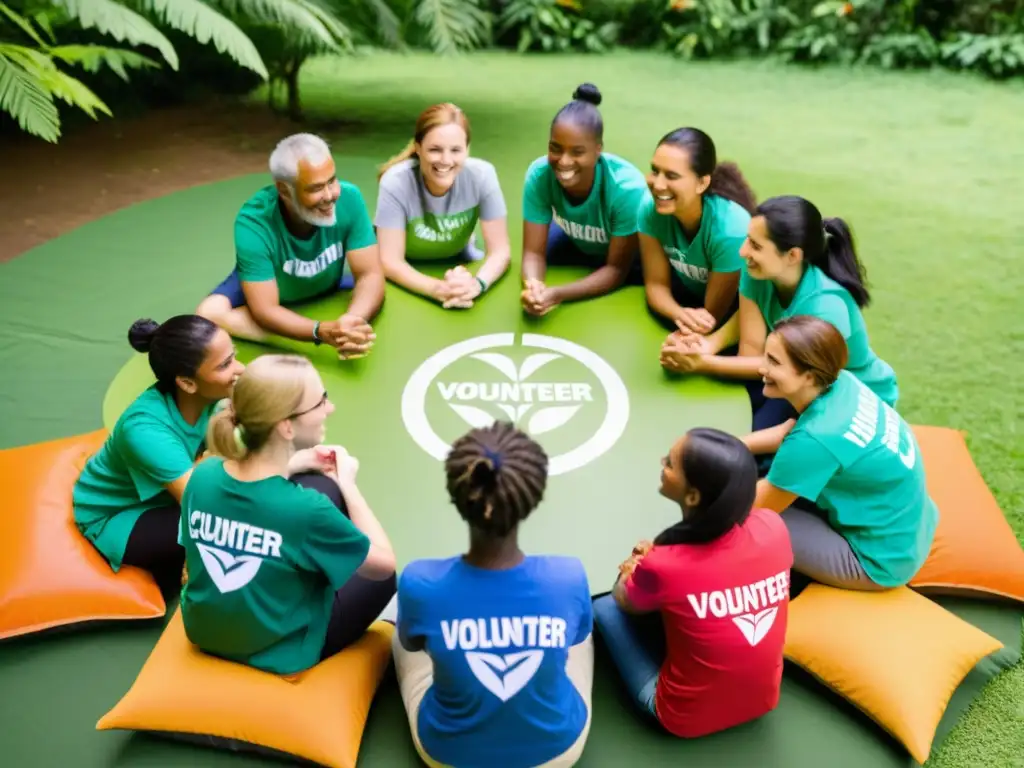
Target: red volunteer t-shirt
{"type": "Point", "coordinates": [725, 606]}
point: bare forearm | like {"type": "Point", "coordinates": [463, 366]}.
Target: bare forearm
{"type": "Point", "coordinates": [362, 516]}
{"type": "Point", "coordinates": [731, 367]}
{"type": "Point", "coordinates": [659, 298]}
{"type": "Point", "coordinates": [283, 322]}
{"type": "Point", "coordinates": [766, 441]}
{"type": "Point", "coordinates": [534, 266]}
{"type": "Point", "coordinates": [597, 283]}
{"type": "Point", "coordinates": [494, 265]}
{"type": "Point", "coordinates": [368, 295]}
{"type": "Point", "coordinates": [404, 274]}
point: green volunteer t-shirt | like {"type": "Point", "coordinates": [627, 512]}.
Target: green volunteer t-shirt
{"type": "Point", "coordinates": [822, 297]}
{"type": "Point", "coordinates": [715, 248]}
{"type": "Point", "coordinates": [304, 268]}
{"type": "Point", "coordinates": [150, 446]}
{"type": "Point", "coordinates": [264, 560]}
{"type": "Point", "coordinates": [438, 227]}
{"type": "Point", "coordinates": [856, 458]}
{"type": "Point", "coordinates": [609, 211]}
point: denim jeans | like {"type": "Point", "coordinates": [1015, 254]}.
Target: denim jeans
{"type": "Point", "coordinates": [637, 646]}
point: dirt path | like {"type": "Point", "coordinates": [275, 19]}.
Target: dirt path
{"type": "Point", "coordinates": [48, 189]}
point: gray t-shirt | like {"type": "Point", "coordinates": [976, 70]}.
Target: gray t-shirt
{"type": "Point", "coordinates": [438, 227]}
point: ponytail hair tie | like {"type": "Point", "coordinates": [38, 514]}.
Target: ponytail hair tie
{"type": "Point", "coordinates": [240, 439]}
{"type": "Point", "coordinates": [494, 457]}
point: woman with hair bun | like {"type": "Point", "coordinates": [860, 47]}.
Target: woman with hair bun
{"type": "Point", "coordinates": [712, 593]}
{"type": "Point", "coordinates": [432, 195]}
{"type": "Point", "coordinates": [287, 563]}
{"type": "Point", "coordinates": [580, 208]}
{"type": "Point", "coordinates": [493, 649]}
{"type": "Point", "coordinates": [127, 499]}
{"type": "Point", "coordinates": [863, 518]}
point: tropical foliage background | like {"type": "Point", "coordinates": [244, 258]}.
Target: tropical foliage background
{"type": "Point", "coordinates": [81, 54]}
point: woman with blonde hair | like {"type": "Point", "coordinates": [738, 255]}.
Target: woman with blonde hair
{"type": "Point", "coordinates": [286, 563]}
{"type": "Point", "coordinates": [432, 195]}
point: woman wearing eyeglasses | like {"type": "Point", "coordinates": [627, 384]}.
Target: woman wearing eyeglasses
{"type": "Point", "coordinates": [286, 563]}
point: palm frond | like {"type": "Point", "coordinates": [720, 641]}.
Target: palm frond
{"type": "Point", "coordinates": [198, 20]}
{"type": "Point", "coordinates": [121, 23]}
{"type": "Point", "coordinates": [26, 99]}
{"type": "Point", "coordinates": [453, 25]}
{"type": "Point", "coordinates": [307, 22]}
{"type": "Point", "coordinates": [21, 22]}
{"type": "Point", "coordinates": [92, 57]}
{"type": "Point", "coordinates": [73, 92]}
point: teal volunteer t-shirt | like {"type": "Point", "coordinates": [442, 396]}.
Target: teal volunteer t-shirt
{"type": "Point", "coordinates": [856, 458]}
{"type": "Point", "coordinates": [715, 248]}
{"type": "Point", "coordinates": [303, 268]}
{"type": "Point", "coordinates": [150, 446]}
{"type": "Point", "coordinates": [264, 560]}
{"type": "Point", "coordinates": [822, 297]}
{"type": "Point", "coordinates": [438, 227]}
{"type": "Point", "coordinates": [609, 211]}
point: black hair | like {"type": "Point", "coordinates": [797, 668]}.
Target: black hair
{"type": "Point", "coordinates": [496, 477]}
{"type": "Point", "coordinates": [726, 178]}
{"type": "Point", "coordinates": [794, 222]}
{"type": "Point", "coordinates": [724, 470]}
{"type": "Point", "coordinates": [582, 111]}
{"type": "Point", "coordinates": [176, 347]}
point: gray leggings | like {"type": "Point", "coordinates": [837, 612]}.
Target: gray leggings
{"type": "Point", "coordinates": [822, 554]}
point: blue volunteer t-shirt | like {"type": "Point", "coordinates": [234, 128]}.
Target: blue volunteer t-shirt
{"type": "Point", "coordinates": [499, 642]}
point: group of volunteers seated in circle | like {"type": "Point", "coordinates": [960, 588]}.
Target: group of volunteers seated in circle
{"type": "Point", "coordinates": [220, 481]}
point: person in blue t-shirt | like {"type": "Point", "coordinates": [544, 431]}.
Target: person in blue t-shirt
{"type": "Point", "coordinates": [494, 650]}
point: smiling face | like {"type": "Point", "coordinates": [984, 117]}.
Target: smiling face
{"type": "Point", "coordinates": [313, 196]}
{"type": "Point", "coordinates": [442, 153]}
{"type": "Point", "coordinates": [674, 485]}
{"type": "Point", "coordinates": [763, 258]}
{"type": "Point", "coordinates": [218, 372]}
{"type": "Point", "coordinates": [781, 377]}
{"type": "Point", "coordinates": [672, 181]}
{"type": "Point", "coordinates": [573, 154]}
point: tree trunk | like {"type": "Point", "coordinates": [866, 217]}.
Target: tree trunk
{"type": "Point", "coordinates": [291, 79]}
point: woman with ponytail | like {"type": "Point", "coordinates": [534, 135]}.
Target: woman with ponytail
{"type": "Point", "coordinates": [696, 621]}
{"type": "Point", "coordinates": [797, 263]}
{"type": "Point", "coordinates": [692, 225]}
{"type": "Point", "coordinates": [286, 563]}
{"type": "Point", "coordinates": [432, 195]}
{"type": "Point", "coordinates": [579, 209]}
{"type": "Point", "coordinates": [127, 499]}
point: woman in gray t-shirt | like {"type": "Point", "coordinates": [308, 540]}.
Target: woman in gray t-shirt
{"type": "Point", "coordinates": [431, 197]}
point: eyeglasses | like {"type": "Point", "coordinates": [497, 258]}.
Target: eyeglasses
{"type": "Point", "coordinates": [322, 402]}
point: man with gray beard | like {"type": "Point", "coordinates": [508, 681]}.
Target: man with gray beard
{"type": "Point", "coordinates": [292, 241]}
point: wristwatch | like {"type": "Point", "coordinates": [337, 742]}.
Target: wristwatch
{"type": "Point", "coordinates": [317, 341]}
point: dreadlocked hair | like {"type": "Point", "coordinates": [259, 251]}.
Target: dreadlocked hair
{"type": "Point", "coordinates": [496, 477]}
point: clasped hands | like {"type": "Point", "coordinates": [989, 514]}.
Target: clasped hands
{"type": "Point", "coordinates": [684, 349]}
{"type": "Point", "coordinates": [458, 289]}
{"type": "Point", "coordinates": [331, 460]}
{"type": "Point", "coordinates": [537, 298]}
{"type": "Point", "coordinates": [350, 334]}
{"type": "Point", "coordinates": [629, 565]}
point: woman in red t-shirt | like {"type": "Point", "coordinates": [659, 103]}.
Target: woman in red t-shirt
{"type": "Point", "coordinates": [715, 588]}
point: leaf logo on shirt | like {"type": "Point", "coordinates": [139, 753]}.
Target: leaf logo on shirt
{"type": "Point", "coordinates": [544, 418]}
{"type": "Point", "coordinates": [505, 676]}
{"type": "Point", "coordinates": [755, 626]}
{"type": "Point", "coordinates": [229, 572]}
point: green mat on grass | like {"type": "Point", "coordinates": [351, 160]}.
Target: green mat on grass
{"type": "Point", "coordinates": [585, 380]}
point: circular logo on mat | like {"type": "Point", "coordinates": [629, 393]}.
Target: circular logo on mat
{"type": "Point", "coordinates": [565, 396]}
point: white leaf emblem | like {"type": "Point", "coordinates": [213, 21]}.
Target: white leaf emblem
{"type": "Point", "coordinates": [550, 418]}
{"type": "Point", "coordinates": [755, 626]}
{"type": "Point", "coordinates": [228, 572]}
{"type": "Point", "coordinates": [500, 362]}
{"type": "Point", "coordinates": [533, 363]}
{"type": "Point", "coordinates": [475, 417]}
{"type": "Point", "coordinates": [505, 676]}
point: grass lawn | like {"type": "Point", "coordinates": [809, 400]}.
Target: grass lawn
{"type": "Point", "coordinates": [925, 167]}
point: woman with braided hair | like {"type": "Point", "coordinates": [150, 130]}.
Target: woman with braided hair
{"type": "Point", "coordinates": [494, 652]}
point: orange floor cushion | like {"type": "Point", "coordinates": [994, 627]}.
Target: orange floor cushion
{"type": "Point", "coordinates": [895, 655]}
{"type": "Point", "coordinates": [318, 715]}
{"type": "Point", "coordinates": [975, 552]}
{"type": "Point", "coordinates": [50, 575]}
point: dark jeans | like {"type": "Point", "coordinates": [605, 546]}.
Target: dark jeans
{"type": "Point", "coordinates": [562, 251]}
{"type": "Point", "coordinates": [636, 644]}
{"type": "Point", "coordinates": [359, 601]}
{"type": "Point", "coordinates": [153, 546]}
